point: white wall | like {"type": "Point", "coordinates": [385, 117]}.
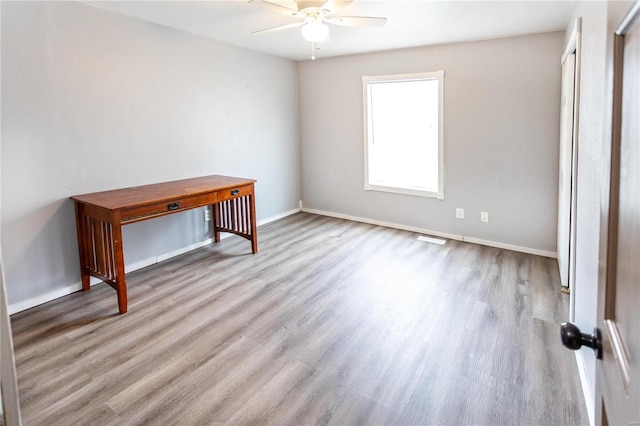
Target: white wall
{"type": "Point", "coordinates": [501, 132]}
{"type": "Point", "coordinates": [93, 101]}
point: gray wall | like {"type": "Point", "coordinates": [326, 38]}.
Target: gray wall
{"type": "Point", "coordinates": [93, 101]}
{"type": "Point", "coordinates": [501, 132]}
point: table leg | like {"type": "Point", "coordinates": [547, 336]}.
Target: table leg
{"type": "Point", "coordinates": [254, 234]}
{"type": "Point", "coordinates": [120, 285]}
{"type": "Point", "coordinates": [216, 223]}
{"type": "Point", "coordinates": [81, 230]}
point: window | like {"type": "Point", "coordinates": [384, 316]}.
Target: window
{"type": "Point", "coordinates": [403, 134]}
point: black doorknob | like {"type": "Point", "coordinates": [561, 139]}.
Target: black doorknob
{"type": "Point", "coordinates": [573, 339]}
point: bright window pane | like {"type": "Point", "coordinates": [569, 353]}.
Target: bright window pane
{"type": "Point", "coordinates": [403, 135]}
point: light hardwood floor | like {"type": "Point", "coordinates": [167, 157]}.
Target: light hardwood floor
{"type": "Point", "coordinates": [332, 322]}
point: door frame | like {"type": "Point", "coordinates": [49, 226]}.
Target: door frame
{"type": "Point", "coordinates": [574, 45]}
{"type": "Point", "coordinates": [9, 396]}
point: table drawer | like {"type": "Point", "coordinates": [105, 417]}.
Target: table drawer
{"type": "Point", "coordinates": [135, 213]}
{"type": "Point", "coordinates": [228, 194]}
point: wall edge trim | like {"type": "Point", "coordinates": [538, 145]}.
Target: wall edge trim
{"type": "Point", "coordinates": [32, 302]}
{"type": "Point", "coordinates": [450, 236]}
{"type": "Point", "coordinates": [587, 393]}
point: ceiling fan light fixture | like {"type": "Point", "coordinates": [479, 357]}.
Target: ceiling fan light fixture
{"type": "Point", "coordinates": [315, 32]}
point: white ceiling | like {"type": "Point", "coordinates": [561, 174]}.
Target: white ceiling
{"type": "Point", "coordinates": [409, 23]}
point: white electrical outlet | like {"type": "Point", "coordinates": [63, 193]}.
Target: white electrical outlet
{"type": "Point", "coordinates": [484, 216]}
{"type": "Point", "coordinates": [459, 213]}
{"type": "Point", "coordinates": [207, 214]}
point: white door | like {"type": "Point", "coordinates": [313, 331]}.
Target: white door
{"type": "Point", "coordinates": [618, 373]}
{"type": "Point", "coordinates": [617, 336]}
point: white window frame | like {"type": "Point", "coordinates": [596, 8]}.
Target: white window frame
{"type": "Point", "coordinates": [366, 84]}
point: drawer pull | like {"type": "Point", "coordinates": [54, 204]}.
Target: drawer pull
{"type": "Point", "coordinates": [235, 192]}
{"type": "Point", "coordinates": [173, 206]}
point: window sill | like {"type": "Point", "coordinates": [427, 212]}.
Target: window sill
{"type": "Point", "coordinates": [405, 191]}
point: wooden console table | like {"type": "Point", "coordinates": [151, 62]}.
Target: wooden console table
{"type": "Point", "coordinates": [100, 216]}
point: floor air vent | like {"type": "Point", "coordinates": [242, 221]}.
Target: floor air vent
{"type": "Point", "coordinates": [432, 240]}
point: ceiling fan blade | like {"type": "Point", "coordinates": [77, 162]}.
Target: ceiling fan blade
{"type": "Point", "coordinates": [336, 5]}
{"type": "Point", "coordinates": [275, 7]}
{"type": "Point", "coordinates": [279, 28]}
{"type": "Point", "coordinates": [358, 21]}
{"type": "Point", "coordinates": [303, 4]}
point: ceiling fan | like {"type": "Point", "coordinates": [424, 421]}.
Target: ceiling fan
{"type": "Point", "coordinates": [315, 16]}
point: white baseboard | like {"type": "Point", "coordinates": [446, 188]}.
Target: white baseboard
{"type": "Point", "coordinates": [545, 253]}
{"type": "Point", "coordinates": [436, 233]}
{"type": "Point", "coordinates": [586, 389]}
{"type": "Point", "coordinates": [385, 224]}
{"type": "Point", "coordinates": [277, 217]}
{"type": "Point", "coordinates": [43, 298]}
{"type": "Point", "coordinates": [157, 259]}
{"type": "Point", "coordinates": [54, 294]}
{"type": "Point", "coordinates": [64, 291]}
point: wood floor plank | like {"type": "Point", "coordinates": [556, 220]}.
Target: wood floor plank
{"type": "Point", "coordinates": [332, 322]}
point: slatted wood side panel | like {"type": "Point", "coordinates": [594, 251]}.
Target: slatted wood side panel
{"type": "Point", "coordinates": [235, 216]}
{"type": "Point", "coordinates": [98, 248]}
